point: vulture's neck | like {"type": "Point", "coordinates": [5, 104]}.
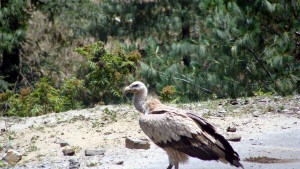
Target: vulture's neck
{"type": "Point", "coordinates": [139, 100]}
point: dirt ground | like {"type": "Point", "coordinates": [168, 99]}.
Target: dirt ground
{"type": "Point", "coordinates": [269, 128]}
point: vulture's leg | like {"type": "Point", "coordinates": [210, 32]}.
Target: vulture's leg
{"type": "Point", "coordinates": [170, 166]}
{"type": "Point", "coordinates": [176, 165]}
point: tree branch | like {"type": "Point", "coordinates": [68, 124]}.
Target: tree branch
{"type": "Point", "coordinates": [21, 68]}
{"type": "Point", "coordinates": [188, 81]}
{"type": "Point", "coordinates": [261, 63]}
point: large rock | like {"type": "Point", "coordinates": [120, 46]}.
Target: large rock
{"type": "Point", "coordinates": [136, 144]}
{"type": "Point", "coordinates": [234, 138]}
{"type": "Point", "coordinates": [94, 152]}
{"type": "Point", "coordinates": [68, 151]}
{"type": "Point", "coordinates": [231, 129]}
{"type": "Point", "coordinates": [12, 156]}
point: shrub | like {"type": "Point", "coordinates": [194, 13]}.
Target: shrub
{"type": "Point", "coordinates": [167, 93]}
{"type": "Point", "coordinates": [105, 73]}
{"type": "Point", "coordinates": [44, 98]}
{"type": "Point", "coordinates": [69, 98]}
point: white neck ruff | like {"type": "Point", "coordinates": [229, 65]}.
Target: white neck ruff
{"type": "Point", "coordinates": [139, 101]}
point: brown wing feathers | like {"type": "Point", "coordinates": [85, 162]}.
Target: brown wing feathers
{"type": "Point", "coordinates": [209, 145]}
{"type": "Point", "coordinates": [230, 155]}
{"type": "Point", "coordinates": [188, 146]}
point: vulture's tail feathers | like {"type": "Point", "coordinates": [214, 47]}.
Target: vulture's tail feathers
{"type": "Point", "coordinates": [230, 155]}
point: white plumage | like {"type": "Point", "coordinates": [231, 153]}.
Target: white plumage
{"type": "Point", "coordinates": [180, 133]}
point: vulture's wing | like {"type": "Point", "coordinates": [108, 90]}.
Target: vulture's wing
{"type": "Point", "coordinates": [188, 133]}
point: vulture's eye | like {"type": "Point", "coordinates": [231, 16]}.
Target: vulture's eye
{"type": "Point", "coordinates": [136, 85]}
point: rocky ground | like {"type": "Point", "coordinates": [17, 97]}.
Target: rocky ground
{"type": "Point", "coordinates": [265, 132]}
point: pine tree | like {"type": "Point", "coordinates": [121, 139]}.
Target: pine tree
{"type": "Point", "coordinates": [213, 48]}
{"type": "Point", "coordinates": [13, 20]}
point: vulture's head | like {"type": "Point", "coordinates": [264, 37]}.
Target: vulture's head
{"type": "Point", "coordinates": [136, 87]}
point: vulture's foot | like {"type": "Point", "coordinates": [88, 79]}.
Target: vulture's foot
{"type": "Point", "coordinates": [177, 165]}
{"type": "Point", "coordinates": [170, 166]}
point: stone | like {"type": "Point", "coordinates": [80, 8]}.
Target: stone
{"type": "Point", "coordinates": [12, 156]}
{"type": "Point", "coordinates": [107, 133]}
{"type": "Point", "coordinates": [285, 111]}
{"type": "Point", "coordinates": [94, 152]}
{"type": "Point", "coordinates": [63, 143]}
{"type": "Point", "coordinates": [74, 164]}
{"type": "Point", "coordinates": [231, 129]}
{"type": "Point", "coordinates": [69, 151]}
{"type": "Point", "coordinates": [285, 127]}
{"type": "Point", "coordinates": [264, 100]}
{"type": "Point", "coordinates": [221, 110]}
{"type": "Point", "coordinates": [120, 162]}
{"type": "Point", "coordinates": [3, 130]}
{"type": "Point", "coordinates": [233, 102]}
{"type": "Point", "coordinates": [235, 138]}
{"type": "Point", "coordinates": [7, 147]}
{"type": "Point", "coordinates": [245, 102]}
{"type": "Point", "coordinates": [136, 144]}
{"type": "Point", "coordinates": [256, 113]}
{"type": "Point", "coordinates": [236, 111]}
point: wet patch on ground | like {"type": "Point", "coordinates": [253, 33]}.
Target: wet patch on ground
{"type": "Point", "coordinates": [267, 160]}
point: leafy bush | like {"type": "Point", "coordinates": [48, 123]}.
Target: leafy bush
{"type": "Point", "coordinates": [41, 100]}
{"type": "Point", "coordinates": [69, 95]}
{"type": "Point", "coordinates": [105, 73]}
{"type": "Point", "coordinates": [44, 98]}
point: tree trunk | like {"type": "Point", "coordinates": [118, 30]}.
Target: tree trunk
{"type": "Point", "coordinates": [10, 64]}
{"type": "Point", "coordinates": [3, 3]}
{"type": "Point", "coordinates": [185, 29]}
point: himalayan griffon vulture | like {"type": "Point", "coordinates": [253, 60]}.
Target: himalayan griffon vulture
{"type": "Point", "coordinates": [180, 133]}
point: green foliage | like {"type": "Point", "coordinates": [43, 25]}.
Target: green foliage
{"type": "Point", "coordinates": [234, 49]}
{"type": "Point", "coordinates": [74, 14]}
{"type": "Point", "coordinates": [106, 73]}
{"type": "Point", "coordinates": [4, 85]}
{"type": "Point", "coordinates": [104, 76]}
{"type": "Point", "coordinates": [44, 98]}
{"type": "Point", "coordinates": [31, 103]}
{"type": "Point", "coordinates": [165, 20]}
{"type": "Point", "coordinates": [183, 51]}
{"type": "Point", "coordinates": [13, 23]}
{"type": "Point", "coordinates": [2, 163]}
{"type": "Point", "coordinates": [69, 95]}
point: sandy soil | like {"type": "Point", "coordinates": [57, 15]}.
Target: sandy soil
{"type": "Point", "coordinates": [106, 127]}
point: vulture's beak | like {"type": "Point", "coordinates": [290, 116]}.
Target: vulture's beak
{"type": "Point", "coordinates": [127, 89]}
